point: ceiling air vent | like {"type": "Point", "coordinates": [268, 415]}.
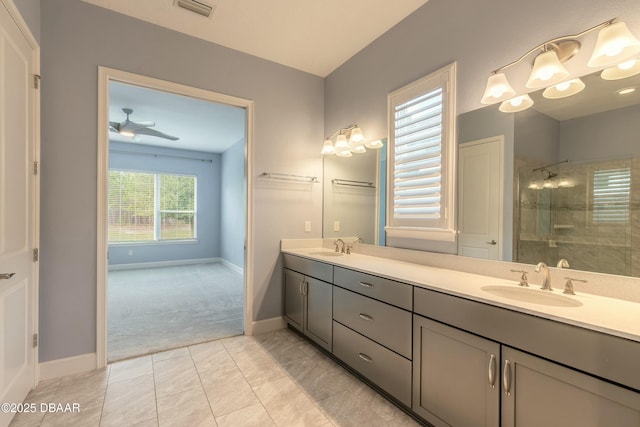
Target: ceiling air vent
{"type": "Point", "coordinates": [196, 6]}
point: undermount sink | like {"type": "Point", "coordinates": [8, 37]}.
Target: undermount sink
{"type": "Point", "coordinates": [327, 253]}
{"type": "Point", "coordinates": [532, 296]}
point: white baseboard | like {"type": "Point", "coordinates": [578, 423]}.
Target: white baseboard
{"type": "Point", "coordinates": [170, 263]}
{"type": "Point", "coordinates": [67, 366]}
{"type": "Point", "coordinates": [231, 266]}
{"type": "Point", "coordinates": [268, 325]}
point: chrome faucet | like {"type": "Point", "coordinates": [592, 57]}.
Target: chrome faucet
{"type": "Point", "coordinates": [563, 263]}
{"type": "Point", "coordinates": [336, 243]}
{"type": "Point", "coordinates": [546, 279]}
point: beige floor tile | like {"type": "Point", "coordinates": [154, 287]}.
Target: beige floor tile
{"type": "Point", "coordinates": [27, 419]}
{"type": "Point", "coordinates": [170, 354]}
{"type": "Point", "coordinates": [227, 389]}
{"type": "Point", "coordinates": [129, 402]}
{"type": "Point", "coordinates": [241, 343]}
{"type": "Point", "coordinates": [257, 366]}
{"type": "Point", "coordinates": [189, 408]}
{"type": "Point", "coordinates": [288, 405]}
{"type": "Point", "coordinates": [282, 346]}
{"type": "Point", "coordinates": [131, 368]}
{"type": "Point", "coordinates": [175, 376]}
{"type": "Point", "coordinates": [251, 416]}
{"type": "Point", "coordinates": [209, 356]}
{"type": "Point", "coordinates": [89, 416]}
{"type": "Point", "coordinates": [147, 423]}
{"type": "Point", "coordinates": [84, 388]}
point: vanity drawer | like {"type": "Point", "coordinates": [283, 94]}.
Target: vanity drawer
{"type": "Point", "coordinates": [309, 267]}
{"type": "Point", "coordinates": [389, 291]}
{"type": "Point", "coordinates": [385, 368]}
{"type": "Point", "coordinates": [386, 324]}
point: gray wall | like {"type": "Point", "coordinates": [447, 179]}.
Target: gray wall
{"type": "Point", "coordinates": [140, 158]}
{"type": "Point", "coordinates": [607, 135]}
{"type": "Point", "coordinates": [78, 37]}
{"type": "Point", "coordinates": [232, 205]}
{"type": "Point", "coordinates": [536, 137]}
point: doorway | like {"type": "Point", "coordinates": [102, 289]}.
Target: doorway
{"type": "Point", "coordinates": [168, 275]}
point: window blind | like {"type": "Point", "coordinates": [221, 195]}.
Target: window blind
{"type": "Point", "coordinates": [611, 195]}
{"type": "Point", "coordinates": [177, 206]}
{"type": "Point", "coordinates": [417, 163]}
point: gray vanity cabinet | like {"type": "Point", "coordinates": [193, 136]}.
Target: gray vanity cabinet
{"type": "Point", "coordinates": [536, 392]}
{"type": "Point", "coordinates": [456, 376]}
{"type": "Point", "coordinates": [308, 301]}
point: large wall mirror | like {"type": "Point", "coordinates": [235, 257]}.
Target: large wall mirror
{"type": "Point", "coordinates": [571, 186]}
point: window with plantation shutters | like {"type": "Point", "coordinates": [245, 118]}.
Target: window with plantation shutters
{"type": "Point", "coordinates": [421, 158]}
{"type": "Point", "coordinates": [147, 207]}
{"type": "Point", "coordinates": [611, 195]}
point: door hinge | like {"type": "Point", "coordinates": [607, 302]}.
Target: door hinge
{"type": "Point", "coordinates": [36, 255]}
{"type": "Point", "coordinates": [35, 340]}
{"type": "Point", "coordinates": [36, 81]}
{"type": "Point", "coordinates": [35, 168]}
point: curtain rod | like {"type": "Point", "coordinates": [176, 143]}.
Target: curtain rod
{"type": "Point", "coordinates": [172, 156]}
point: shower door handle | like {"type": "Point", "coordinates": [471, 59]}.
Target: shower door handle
{"type": "Point", "coordinates": [493, 242]}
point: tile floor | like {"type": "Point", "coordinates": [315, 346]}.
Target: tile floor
{"type": "Point", "coordinates": [275, 379]}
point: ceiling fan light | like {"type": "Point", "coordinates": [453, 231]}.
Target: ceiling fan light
{"type": "Point", "coordinates": [615, 43]}
{"type": "Point", "coordinates": [622, 71]}
{"type": "Point", "coordinates": [564, 89]}
{"type": "Point", "coordinates": [127, 133]}
{"type": "Point", "coordinates": [547, 71]}
{"type": "Point", "coordinates": [328, 148]}
{"type": "Point", "coordinates": [497, 89]}
{"type": "Point", "coordinates": [519, 103]}
{"type": "Point", "coordinates": [374, 144]}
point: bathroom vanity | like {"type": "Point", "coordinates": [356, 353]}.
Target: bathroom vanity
{"type": "Point", "coordinates": [461, 349]}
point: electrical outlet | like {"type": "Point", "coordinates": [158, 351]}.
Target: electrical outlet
{"type": "Point", "coordinates": [307, 226]}
{"type": "Point", "coordinates": [336, 225]}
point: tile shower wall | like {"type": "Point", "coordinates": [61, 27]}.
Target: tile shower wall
{"type": "Point", "coordinates": [557, 219]}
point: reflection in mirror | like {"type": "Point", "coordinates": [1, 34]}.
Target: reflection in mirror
{"type": "Point", "coordinates": [576, 172]}
{"type": "Point", "coordinates": [351, 188]}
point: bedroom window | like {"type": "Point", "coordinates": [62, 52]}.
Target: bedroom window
{"type": "Point", "coordinates": [148, 207]}
{"type": "Point", "coordinates": [422, 158]}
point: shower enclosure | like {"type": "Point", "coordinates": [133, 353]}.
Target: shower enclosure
{"type": "Point", "coordinates": [586, 213]}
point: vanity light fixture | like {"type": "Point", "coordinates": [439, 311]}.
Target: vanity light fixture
{"type": "Point", "coordinates": [622, 70]}
{"type": "Point", "coordinates": [564, 89]}
{"type": "Point", "coordinates": [615, 47]}
{"type": "Point", "coordinates": [349, 140]}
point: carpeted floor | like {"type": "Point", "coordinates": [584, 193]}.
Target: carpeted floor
{"type": "Point", "coordinates": [156, 309]}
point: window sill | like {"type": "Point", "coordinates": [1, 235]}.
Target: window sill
{"type": "Point", "coordinates": [155, 242]}
{"type": "Point", "coordinates": [421, 233]}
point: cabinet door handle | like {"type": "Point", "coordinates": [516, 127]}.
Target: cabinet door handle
{"type": "Point", "coordinates": [366, 285]}
{"type": "Point", "coordinates": [300, 287]}
{"type": "Point", "coordinates": [506, 377]}
{"type": "Point", "coordinates": [365, 357]}
{"type": "Point", "coordinates": [305, 289]}
{"type": "Point", "coordinates": [366, 317]}
{"type": "Point", "coordinates": [492, 371]}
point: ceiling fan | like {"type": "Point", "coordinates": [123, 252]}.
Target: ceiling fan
{"type": "Point", "coordinates": [131, 129]}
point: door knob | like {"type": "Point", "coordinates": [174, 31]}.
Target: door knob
{"type": "Point", "coordinates": [6, 275]}
{"type": "Point", "coordinates": [493, 242]}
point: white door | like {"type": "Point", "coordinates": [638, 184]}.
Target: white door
{"type": "Point", "coordinates": [480, 177]}
{"type": "Point", "coordinates": [17, 210]}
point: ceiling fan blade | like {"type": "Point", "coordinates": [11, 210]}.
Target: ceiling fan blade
{"type": "Point", "coordinates": [114, 126]}
{"type": "Point", "coordinates": [130, 126]}
{"type": "Point", "coordinates": [153, 132]}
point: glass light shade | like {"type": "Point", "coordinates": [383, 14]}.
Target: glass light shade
{"type": "Point", "coordinates": [519, 103]}
{"type": "Point", "coordinates": [374, 144]}
{"type": "Point", "coordinates": [356, 136]}
{"type": "Point", "coordinates": [564, 89]}
{"type": "Point", "coordinates": [327, 147]}
{"type": "Point", "coordinates": [622, 70]}
{"type": "Point", "coordinates": [359, 149]}
{"type": "Point", "coordinates": [341, 143]}
{"type": "Point", "coordinates": [615, 44]}
{"type": "Point", "coordinates": [127, 133]}
{"type": "Point", "coordinates": [547, 71]}
{"type": "Point", "coordinates": [344, 153]}
{"type": "Point", "coordinates": [498, 89]}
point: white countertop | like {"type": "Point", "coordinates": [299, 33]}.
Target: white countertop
{"type": "Point", "coordinates": [608, 315]}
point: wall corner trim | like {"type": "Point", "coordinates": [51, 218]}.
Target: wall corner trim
{"type": "Point", "coordinates": [67, 366]}
{"type": "Point", "coordinates": [268, 325]}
